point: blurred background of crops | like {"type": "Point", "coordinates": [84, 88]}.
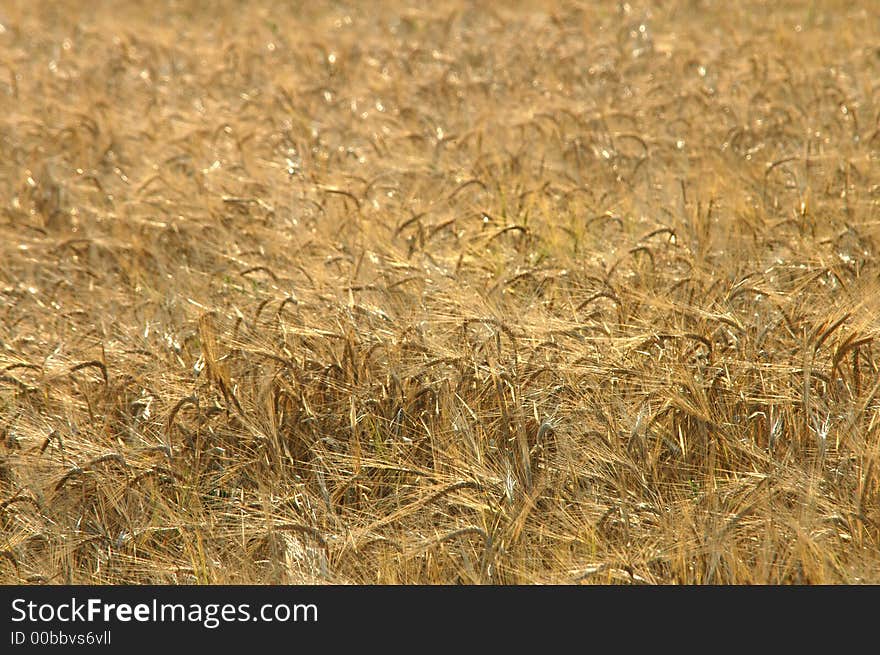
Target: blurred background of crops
{"type": "Point", "coordinates": [369, 293]}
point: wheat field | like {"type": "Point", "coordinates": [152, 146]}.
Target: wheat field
{"type": "Point", "coordinates": [459, 293]}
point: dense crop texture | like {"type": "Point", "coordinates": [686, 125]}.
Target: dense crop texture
{"type": "Point", "coordinates": [363, 293]}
